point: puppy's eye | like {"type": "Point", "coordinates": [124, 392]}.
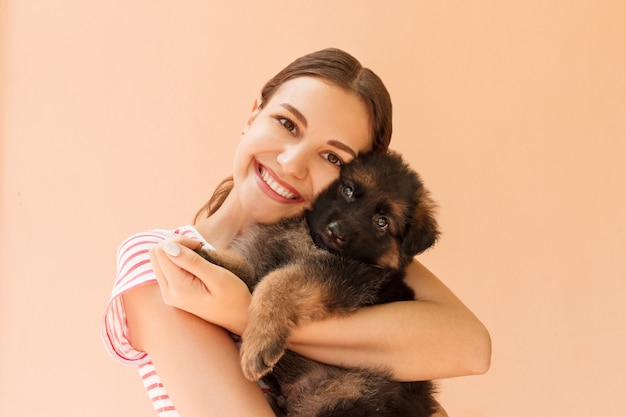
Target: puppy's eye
{"type": "Point", "coordinates": [382, 222]}
{"type": "Point", "coordinates": [348, 191]}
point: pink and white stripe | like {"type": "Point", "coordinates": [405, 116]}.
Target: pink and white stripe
{"type": "Point", "coordinates": [134, 269]}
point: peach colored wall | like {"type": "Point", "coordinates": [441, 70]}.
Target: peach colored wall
{"type": "Point", "coordinates": [118, 116]}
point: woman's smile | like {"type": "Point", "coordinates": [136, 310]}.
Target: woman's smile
{"type": "Point", "coordinates": [275, 188]}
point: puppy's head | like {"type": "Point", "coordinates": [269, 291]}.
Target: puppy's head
{"type": "Point", "coordinates": [377, 212]}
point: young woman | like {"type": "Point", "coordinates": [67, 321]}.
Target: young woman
{"type": "Point", "coordinates": [172, 313]}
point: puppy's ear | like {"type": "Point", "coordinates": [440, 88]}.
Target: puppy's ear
{"type": "Point", "coordinates": [424, 231]}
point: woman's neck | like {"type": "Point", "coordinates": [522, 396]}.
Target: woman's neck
{"type": "Point", "coordinates": [224, 225]}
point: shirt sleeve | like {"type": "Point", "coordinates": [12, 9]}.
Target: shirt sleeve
{"type": "Point", "coordinates": [133, 269]}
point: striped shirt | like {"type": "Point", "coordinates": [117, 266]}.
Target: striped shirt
{"type": "Point", "coordinates": [134, 269]}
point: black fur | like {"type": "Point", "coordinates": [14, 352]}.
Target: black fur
{"type": "Point", "coordinates": [350, 251]}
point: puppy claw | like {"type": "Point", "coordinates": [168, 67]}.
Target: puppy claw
{"type": "Point", "coordinates": [254, 369]}
{"type": "Point", "coordinates": [256, 363]}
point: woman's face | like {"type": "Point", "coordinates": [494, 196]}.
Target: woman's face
{"type": "Point", "coordinates": [294, 147]}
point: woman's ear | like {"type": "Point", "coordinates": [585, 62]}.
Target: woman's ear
{"type": "Point", "coordinates": [253, 115]}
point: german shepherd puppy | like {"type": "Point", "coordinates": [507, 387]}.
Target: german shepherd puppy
{"type": "Point", "coordinates": [349, 251]}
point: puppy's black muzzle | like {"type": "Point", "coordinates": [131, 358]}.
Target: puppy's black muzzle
{"type": "Point", "coordinates": [335, 234]}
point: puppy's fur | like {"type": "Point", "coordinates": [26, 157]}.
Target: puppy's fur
{"type": "Point", "coordinates": [350, 251]}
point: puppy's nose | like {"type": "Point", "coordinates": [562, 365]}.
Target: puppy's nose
{"type": "Point", "coordinates": [335, 233]}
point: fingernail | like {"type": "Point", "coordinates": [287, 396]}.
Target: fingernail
{"type": "Point", "coordinates": [171, 248]}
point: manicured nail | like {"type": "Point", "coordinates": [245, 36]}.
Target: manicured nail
{"type": "Point", "coordinates": [171, 248]}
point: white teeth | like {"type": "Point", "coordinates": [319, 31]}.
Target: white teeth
{"type": "Point", "coordinates": [276, 186]}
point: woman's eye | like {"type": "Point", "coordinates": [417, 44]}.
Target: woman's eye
{"type": "Point", "coordinates": [288, 124]}
{"type": "Point", "coordinates": [332, 158]}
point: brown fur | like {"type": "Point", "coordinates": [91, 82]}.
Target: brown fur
{"type": "Point", "coordinates": [350, 251]}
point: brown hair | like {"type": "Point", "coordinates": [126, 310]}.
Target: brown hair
{"type": "Point", "coordinates": [343, 70]}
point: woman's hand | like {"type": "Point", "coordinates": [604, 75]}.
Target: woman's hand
{"type": "Point", "coordinates": [189, 282]}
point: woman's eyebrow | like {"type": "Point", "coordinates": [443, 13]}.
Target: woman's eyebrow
{"type": "Point", "coordinates": [342, 146]}
{"type": "Point", "coordinates": [331, 142]}
{"type": "Point", "coordinates": [296, 113]}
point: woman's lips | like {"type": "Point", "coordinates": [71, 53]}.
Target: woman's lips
{"type": "Point", "coordinates": [274, 187]}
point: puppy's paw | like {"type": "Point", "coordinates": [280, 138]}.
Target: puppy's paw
{"type": "Point", "coordinates": [232, 261]}
{"type": "Point", "coordinates": [259, 354]}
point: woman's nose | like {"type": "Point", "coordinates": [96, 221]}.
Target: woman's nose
{"type": "Point", "coordinates": [294, 161]}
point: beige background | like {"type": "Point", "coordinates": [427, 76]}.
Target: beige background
{"type": "Point", "coordinates": [119, 116]}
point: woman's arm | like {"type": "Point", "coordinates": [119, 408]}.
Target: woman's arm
{"type": "Point", "coordinates": [197, 361]}
{"type": "Point", "coordinates": [434, 337]}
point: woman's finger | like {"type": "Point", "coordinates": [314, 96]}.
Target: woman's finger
{"type": "Point", "coordinates": [179, 286]}
{"type": "Point", "coordinates": [188, 260]}
{"type": "Point", "coordinates": [193, 244]}
{"type": "Point", "coordinates": [156, 268]}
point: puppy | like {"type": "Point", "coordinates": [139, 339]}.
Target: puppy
{"type": "Point", "coordinates": [349, 251]}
